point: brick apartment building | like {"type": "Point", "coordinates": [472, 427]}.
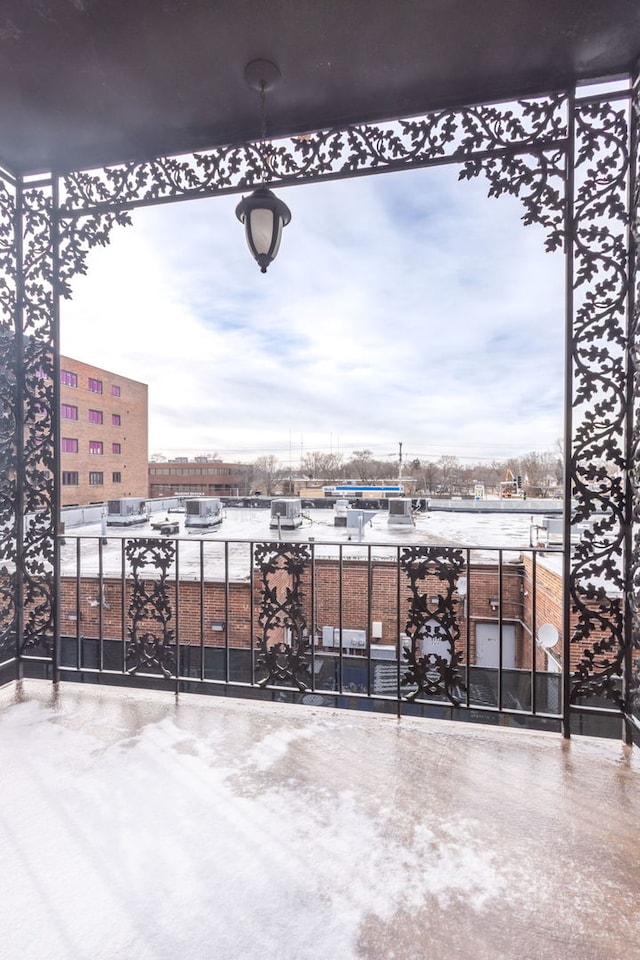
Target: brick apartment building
{"type": "Point", "coordinates": [103, 434]}
{"type": "Point", "coordinates": [197, 478]}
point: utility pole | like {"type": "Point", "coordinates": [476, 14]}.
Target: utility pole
{"type": "Point", "coordinates": [400, 463]}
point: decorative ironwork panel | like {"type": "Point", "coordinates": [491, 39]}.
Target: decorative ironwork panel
{"type": "Point", "coordinates": [598, 460]}
{"type": "Point", "coordinates": [78, 238]}
{"type": "Point", "coordinates": [632, 699]}
{"type": "Point", "coordinates": [152, 639]}
{"type": "Point", "coordinates": [518, 146]}
{"type": "Point", "coordinates": [284, 635]}
{"type": "Point", "coordinates": [36, 462]}
{"type": "Point", "coordinates": [8, 420]}
{"type": "Point", "coordinates": [432, 625]}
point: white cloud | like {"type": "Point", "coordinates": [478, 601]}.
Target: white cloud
{"type": "Point", "coordinates": [401, 307]}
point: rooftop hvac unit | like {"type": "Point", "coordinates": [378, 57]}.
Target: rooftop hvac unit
{"type": "Point", "coordinates": [203, 512]}
{"type": "Point", "coordinates": [547, 531]}
{"type": "Point", "coordinates": [286, 513]}
{"type": "Point", "coordinates": [341, 510]}
{"type": "Point", "coordinates": [126, 511]}
{"type": "Point", "coordinates": [400, 512]}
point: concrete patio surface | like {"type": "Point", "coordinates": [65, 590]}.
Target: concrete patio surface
{"type": "Point", "coordinates": [134, 825]}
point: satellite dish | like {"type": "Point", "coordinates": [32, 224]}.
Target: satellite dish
{"type": "Point", "coordinates": [547, 636]}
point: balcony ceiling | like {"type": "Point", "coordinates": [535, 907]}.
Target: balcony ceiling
{"type": "Point", "coordinates": [86, 82]}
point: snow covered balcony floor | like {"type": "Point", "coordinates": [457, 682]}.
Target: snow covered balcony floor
{"type": "Point", "coordinates": [133, 825]}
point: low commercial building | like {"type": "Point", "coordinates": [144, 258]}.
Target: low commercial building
{"type": "Point", "coordinates": [211, 478]}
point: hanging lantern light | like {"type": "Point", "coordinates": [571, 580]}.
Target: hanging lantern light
{"type": "Point", "coordinates": [263, 216]}
{"type": "Point", "coordinates": [262, 213]}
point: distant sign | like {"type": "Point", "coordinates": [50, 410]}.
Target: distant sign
{"type": "Point", "coordinates": [350, 488]}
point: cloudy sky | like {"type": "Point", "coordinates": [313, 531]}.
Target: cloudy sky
{"type": "Point", "coordinates": [401, 308]}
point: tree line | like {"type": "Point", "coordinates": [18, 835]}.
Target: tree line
{"type": "Point", "coordinates": [541, 473]}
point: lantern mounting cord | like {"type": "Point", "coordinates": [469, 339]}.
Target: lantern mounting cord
{"type": "Point", "coordinates": [263, 130]}
{"type": "Point", "coordinates": [262, 75]}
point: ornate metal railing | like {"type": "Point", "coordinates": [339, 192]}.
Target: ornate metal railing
{"type": "Point", "coordinates": [431, 630]}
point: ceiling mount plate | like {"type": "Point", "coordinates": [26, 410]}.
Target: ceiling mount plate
{"type": "Point", "coordinates": [261, 75]}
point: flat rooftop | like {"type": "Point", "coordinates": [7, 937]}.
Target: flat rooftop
{"type": "Point", "coordinates": [138, 825]}
{"type": "Point", "coordinates": [203, 551]}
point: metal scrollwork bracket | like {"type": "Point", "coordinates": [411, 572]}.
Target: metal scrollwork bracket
{"type": "Point", "coordinates": [432, 628]}
{"type": "Point", "coordinates": [283, 639]}
{"type": "Point", "coordinates": [152, 640]}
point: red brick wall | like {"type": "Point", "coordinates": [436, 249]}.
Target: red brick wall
{"type": "Point", "coordinates": [548, 605]}
{"type": "Point", "coordinates": [185, 603]}
{"type": "Point", "coordinates": [367, 596]}
{"type": "Point", "coordinates": [549, 609]}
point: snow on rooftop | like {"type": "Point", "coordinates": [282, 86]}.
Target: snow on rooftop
{"type": "Point", "coordinates": [136, 826]}
{"type": "Point", "coordinates": [242, 525]}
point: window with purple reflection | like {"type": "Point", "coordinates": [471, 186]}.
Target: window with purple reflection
{"type": "Point", "coordinates": [95, 416]}
{"type": "Point", "coordinates": [69, 445]}
{"type": "Point", "coordinates": [95, 386]}
{"type": "Point", "coordinates": [95, 446]}
{"type": "Point", "coordinates": [68, 378]}
{"type": "Point", "coordinates": [115, 420]}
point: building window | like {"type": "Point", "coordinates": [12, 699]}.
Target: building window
{"type": "Point", "coordinates": [95, 416]}
{"type": "Point", "coordinates": [95, 446]}
{"type": "Point", "coordinates": [115, 420]}
{"type": "Point", "coordinates": [116, 477]}
{"type": "Point", "coordinates": [68, 412]}
{"type": "Point", "coordinates": [96, 478]}
{"type": "Point", "coordinates": [116, 448]}
{"type": "Point", "coordinates": [68, 378]}
{"type": "Point", "coordinates": [69, 445]}
{"type": "Point", "coordinates": [115, 391]}
{"type": "Point", "coordinates": [95, 386]}
{"type": "Point", "coordinates": [69, 478]}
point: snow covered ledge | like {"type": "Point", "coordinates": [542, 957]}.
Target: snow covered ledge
{"type": "Point", "coordinates": [136, 826]}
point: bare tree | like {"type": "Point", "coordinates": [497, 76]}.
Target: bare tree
{"type": "Point", "coordinates": [430, 475]}
{"type": "Point", "coordinates": [426, 473]}
{"type": "Point", "coordinates": [362, 462]}
{"type": "Point", "coordinates": [265, 471]}
{"type": "Point", "coordinates": [321, 466]}
{"type": "Point", "coordinates": [450, 470]}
